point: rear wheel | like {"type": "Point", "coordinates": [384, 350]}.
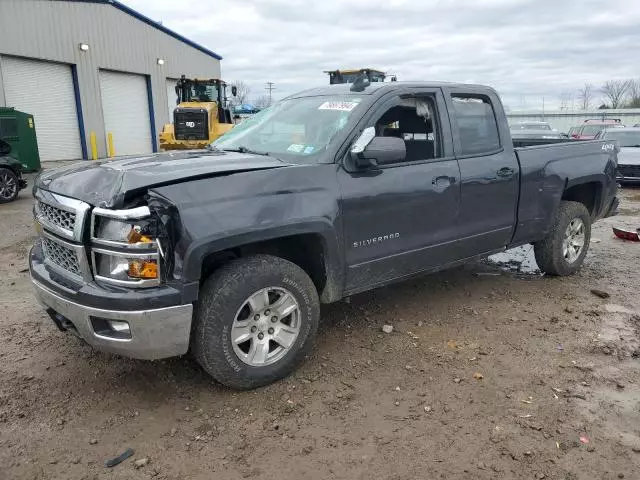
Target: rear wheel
{"type": "Point", "coordinates": [563, 250]}
{"type": "Point", "coordinates": [255, 321]}
{"type": "Point", "coordinates": [9, 187]}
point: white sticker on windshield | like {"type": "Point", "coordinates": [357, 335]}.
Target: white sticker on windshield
{"type": "Point", "coordinates": [340, 106]}
{"type": "Point", "coordinates": [295, 147]}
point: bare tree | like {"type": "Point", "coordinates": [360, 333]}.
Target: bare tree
{"type": "Point", "coordinates": [634, 94]}
{"type": "Point", "coordinates": [565, 98]}
{"type": "Point", "coordinates": [261, 102]}
{"type": "Point", "coordinates": [585, 96]}
{"type": "Point", "coordinates": [243, 91]}
{"type": "Point", "coordinates": [615, 92]}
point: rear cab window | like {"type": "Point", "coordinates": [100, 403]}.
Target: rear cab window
{"type": "Point", "coordinates": [474, 118]}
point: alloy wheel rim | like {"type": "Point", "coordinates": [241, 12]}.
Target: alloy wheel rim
{"type": "Point", "coordinates": [266, 326]}
{"type": "Point", "coordinates": [8, 186]}
{"type": "Point", "coordinates": [574, 240]}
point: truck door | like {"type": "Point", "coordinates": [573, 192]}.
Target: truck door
{"type": "Point", "coordinates": [400, 219]}
{"type": "Point", "coordinates": [489, 171]}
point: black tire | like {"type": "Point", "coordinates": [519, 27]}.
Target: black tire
{"type": "Point", "coordinates": [221, 297]}
{"type": "Point", "coordinates": [7, 175]}
{"type": "Point", "coordinates": [549, 251]}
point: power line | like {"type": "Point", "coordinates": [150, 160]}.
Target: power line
{"type": "Point", "coordinates": [270, 88]}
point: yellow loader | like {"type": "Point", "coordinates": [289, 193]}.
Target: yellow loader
{"type": "Point", "coordinates": [201, 116]}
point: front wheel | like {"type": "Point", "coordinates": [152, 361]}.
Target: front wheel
{"type": "Point", "coordinates": [9, 185]}
{"type": "Point", "coordinates": [255, 320]}
{"type": "Point", "coordinates": [563, 250]}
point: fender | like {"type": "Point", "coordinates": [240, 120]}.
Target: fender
{"type": "Point", "coordinates": [216, 214]}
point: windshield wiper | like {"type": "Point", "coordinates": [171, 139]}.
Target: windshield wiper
{"type": "Point", "coordinates": [243, 149]}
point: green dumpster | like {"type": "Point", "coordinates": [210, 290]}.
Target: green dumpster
{"type": "Point", "coordinates": [18, 130]}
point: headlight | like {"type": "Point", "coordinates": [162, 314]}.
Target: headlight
{"type": "Point", "coordinates": [125, 248]}
{"type": "Point", "coordinates": [124, 268]}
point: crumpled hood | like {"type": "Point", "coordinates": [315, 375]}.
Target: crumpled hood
{"type": "Point", "coordinates": [105, 183]}
{"type": "Point", "coordinates": [629, 156]}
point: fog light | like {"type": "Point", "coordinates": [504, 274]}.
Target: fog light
{"type": "Point", "coordinates": [116, 329]}
{"type": "Point", "coordinates": [119, 326]}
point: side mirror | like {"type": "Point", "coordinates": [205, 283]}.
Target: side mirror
{"type": "Point", "coordinates": [378, 151]}
{"type": "Point", "coordinates": [234, 90]}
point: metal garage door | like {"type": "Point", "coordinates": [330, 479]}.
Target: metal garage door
{"type": "Point", "coordinates": [45, 90]}
{"type": "Point", "coordinates": [125, 108]}
{"type": "Point", "coordinates": [171, 97]}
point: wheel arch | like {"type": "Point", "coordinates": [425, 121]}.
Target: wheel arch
{"type": "Point", "coordinates": [312, 246]}
{"type": "Point", "coordinates": [588, 191]}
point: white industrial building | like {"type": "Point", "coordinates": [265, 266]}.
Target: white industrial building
{"type": "Point", "coordinates": [89, 68]}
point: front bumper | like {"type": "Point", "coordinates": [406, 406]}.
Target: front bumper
{"type": "Point", "coordinates": [155, 333]}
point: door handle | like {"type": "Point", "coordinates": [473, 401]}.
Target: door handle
{"type": "Point", "coordinates": [506, 172]}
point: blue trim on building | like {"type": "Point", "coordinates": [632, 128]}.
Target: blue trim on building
{"type": "Point", "coordinates": [76, 93]}
{"type": "Point", "coordinates": [154, 24]}
{"type": "Point", "coordinates": [152, 115]}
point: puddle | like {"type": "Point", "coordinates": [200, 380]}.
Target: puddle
{"type": "Point", "coordinates": [517, 260]}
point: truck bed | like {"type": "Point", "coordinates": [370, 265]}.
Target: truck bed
{"type": "Point", "coordinates": [547, 170]}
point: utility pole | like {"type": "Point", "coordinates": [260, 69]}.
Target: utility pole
{"type": "Point", "coordinates": [270, 88]}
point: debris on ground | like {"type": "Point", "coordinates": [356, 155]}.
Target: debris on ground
{"type": "Point", "coordinates": [600, 293]}
{"type": "Point", "coordinates": [141, 462]}
{"type": "Point", "coordinates": [584, 439]}
{"type": "Point", "coordinates": [478, 376]}
{"type": "Point", "coordinates": [387, 328]}
{"type": "Point", "coordinates": [624, 234]}
{"type": "Point", "coordinates": [119, 459]}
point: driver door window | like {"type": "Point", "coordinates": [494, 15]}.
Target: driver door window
{"type": "Point", "coordinates": [414, 120]}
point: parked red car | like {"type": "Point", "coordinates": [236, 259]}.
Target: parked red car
{"type": "Point", "coordinates": [590, 128]}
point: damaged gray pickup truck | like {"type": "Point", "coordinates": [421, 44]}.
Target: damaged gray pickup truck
{"type": "Point", "coordinates": [228, 252]}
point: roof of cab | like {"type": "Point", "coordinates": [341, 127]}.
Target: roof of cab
{"type": "Point", "coordinates": [381, 87]}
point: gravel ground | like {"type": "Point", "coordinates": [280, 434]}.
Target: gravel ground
{"type": "Point", "coordinates": [491, 372]}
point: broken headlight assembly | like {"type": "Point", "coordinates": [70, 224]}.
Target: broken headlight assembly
{"type": "Point", "coordinates": [125, 247]}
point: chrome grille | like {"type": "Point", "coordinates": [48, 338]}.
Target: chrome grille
{"type": "Point", "coordinates": [57, 217]}
{"type": "Point", "coordinates": [61, 215]}
{"type": "Point", "coordinates": [61, 256]}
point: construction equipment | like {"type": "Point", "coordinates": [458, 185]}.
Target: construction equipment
{"type": "Point", "coordinates": [350, 76]}
{"type": "Point", "coordinates": [201, 116]}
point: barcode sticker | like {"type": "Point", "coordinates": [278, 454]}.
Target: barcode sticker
{"type": "Point", "coordinates": [340, 106]}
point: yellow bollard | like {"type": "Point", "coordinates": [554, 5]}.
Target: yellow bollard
{"type": "Point", "coordinates": [112, 150]}
{"type": "Point", "coordinates": [94, 146]}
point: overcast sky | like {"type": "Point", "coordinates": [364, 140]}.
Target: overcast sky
{"type": "Point", "coordinates": [526, 49]}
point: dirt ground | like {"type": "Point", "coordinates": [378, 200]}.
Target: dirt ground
{"type": "Point", "coordinates": [490, 373]}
